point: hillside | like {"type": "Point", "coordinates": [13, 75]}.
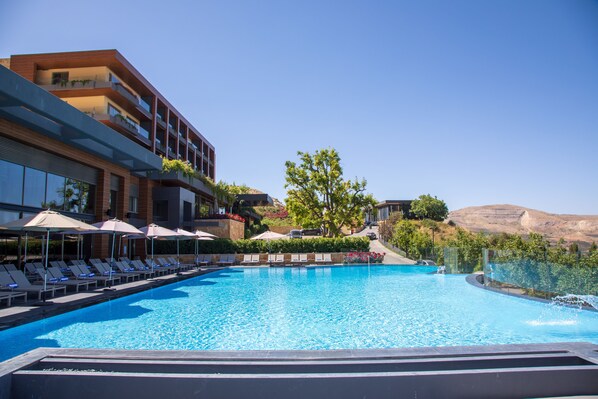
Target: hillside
{"type": "Point", "coordinates": [519, 220]}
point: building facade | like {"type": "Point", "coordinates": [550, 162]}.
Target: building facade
{"type": "Point", "coordinates": [385, 208]}
{"type": "Point", "coordinates": [83, 133]}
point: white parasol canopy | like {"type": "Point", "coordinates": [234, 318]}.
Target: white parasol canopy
{"type": "Point", "coordinates": [202, 234]}
{"type": "Point", "coordinates": [115, 226]}
{"type": "Point", "coordinates": [153, 231]}
{"type": "Point", "coordinates": [48, 221]}
{"type": "Point", "coordinates": [269, 235]}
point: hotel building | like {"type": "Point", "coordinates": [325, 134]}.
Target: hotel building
{"type": "Point", "coordinates": [83, 133]}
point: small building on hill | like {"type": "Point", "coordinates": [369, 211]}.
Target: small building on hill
{"type": "Point", "coordinates": [255, 199]}
{"type": "Point", "coordinates": [385, 208]}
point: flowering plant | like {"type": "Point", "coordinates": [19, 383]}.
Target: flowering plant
{"type": "Point", "coordinates": [231, 216]}
{"type": "Point", "coordinates": [363, 257]}
{"type": "Point", "coordinates": [280, 214]}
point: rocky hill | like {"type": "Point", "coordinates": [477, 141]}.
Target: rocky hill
{"type": "Point", "coordinates": [520, 220]}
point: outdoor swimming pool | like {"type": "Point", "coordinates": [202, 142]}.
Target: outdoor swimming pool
{"type": "Point", "coordinates": [308, 308]}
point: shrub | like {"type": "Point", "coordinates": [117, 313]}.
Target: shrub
{"type": "Point", "coordinates": [219, 246]}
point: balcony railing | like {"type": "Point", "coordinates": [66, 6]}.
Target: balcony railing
{"type": "Point", "coordinates": [142, 106]}
{"type": "Point", "coordinates": [121, 122]}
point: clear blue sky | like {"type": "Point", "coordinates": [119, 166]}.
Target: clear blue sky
{"type": "Point", "coordinates": [477, 102]}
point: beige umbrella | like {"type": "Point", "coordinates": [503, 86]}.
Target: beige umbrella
{"type": "Point", "coordinates": [201, 236]}
{"type": "Point", "coordinates": [115, 226]}
{"type": "Point", "coordinates": [48, 221]}
{"type": "Point", "coordinates": [269, 235]}
{"type": "Point", "coordinates": [153, 231]}
{"type": "Point", "coordinates": [183, 235]}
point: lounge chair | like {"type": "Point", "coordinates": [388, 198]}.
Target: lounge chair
{"type": "Point", "coordinates": [18, 282]}
{"type": "Point", "coordinates": [323, 258]}
{"type": "Point", "coordinates": [126, 270]}
{"type": "Point", "coordinates": [55, 277]}
{"type": "Point", "coordinates": [168, 265]}
{"type": "Point", "coordinates": [142, 269]}
{"type": "Point", "coordinates": [156, 267]}
{"type": "Point", "coordinates": [294, 259]}
{"type": "Point", "coordinates": [9, 267]}
{"type": "Point", "coordinates": [181, 266]}
{"type": "Point", "coordinates": [81, 272]}
{"type": "Point", "coordinates": [105, 270]}
{"type": "Point", "coordinates": [31, 268]}
{"type": "Point", "coordinates": [204, 260]}
{"type": "Point", "coordinates": [226, 260]}
{"type": "Point", "coordinates": [250, 259]}
{"type": "Point", "coordinates": [9, 296]}
{"type": "Point", "coordinates": [276, 259]}
{"type": "Point", "coordinates": [302, 258]}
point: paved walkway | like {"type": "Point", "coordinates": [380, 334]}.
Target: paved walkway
{"type": "Point", "coordinates": [391, 258]}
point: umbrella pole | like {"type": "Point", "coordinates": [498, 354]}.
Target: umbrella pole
{"type": "Point", "coordinates": [62, 249]}
{"type": "Point", "coordinates": [46, 266]}
{"type": "Point", "coordinates": [111, 260]}
{"type": "Point", "coordinates": [26, 237]}
{"type": "Point", "coordinates": [152, 255]}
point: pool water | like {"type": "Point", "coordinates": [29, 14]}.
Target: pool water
{"type": "Point", "coordinates": [308, 308]}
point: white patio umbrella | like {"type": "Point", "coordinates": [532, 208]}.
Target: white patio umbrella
{"type": "Point", "coordinates": [48, 221]}
{"type": "Point", "coordinates": [202, 236]}
{"type": "Point", "coordinates": [183, 235]}
{"type": "Point", "coordinates": [115, 226]}
{"type": "Point", "coordinates": [269, 235]}
{"type": "Point", "coordinates": [153, 231]}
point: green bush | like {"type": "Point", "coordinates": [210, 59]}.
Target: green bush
{"type": "Point", "coordinates": [225, 246]}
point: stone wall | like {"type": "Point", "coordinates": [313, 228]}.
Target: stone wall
{"type": "Point", "coordinates": [223, 228]}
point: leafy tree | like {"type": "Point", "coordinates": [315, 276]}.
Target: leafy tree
{"type": "Point", "coordinates": [387, 227]}
{"type": "Point", "coordinates": [411, 239]}
{"type": "Point", "coordinates": [318, 196]}
{"type": "Point", "coordinates": [593, 247]}
{"type": "Point", "coordinates": [428, 207]}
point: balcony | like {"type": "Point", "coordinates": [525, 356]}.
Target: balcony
{"type": "Point", "coordinates": [120, 124]}
{"type": "Point", "coordinates": [182, 139]}
{"type": "Point", "coordinates": [178, 179]}
{"type": "Point", "coordinates": [87, 87]}
{"type": "Point", "coordinates": [160, 121]}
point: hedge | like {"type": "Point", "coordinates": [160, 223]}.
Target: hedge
{"type": "Point", "coordinates": [225, 246]}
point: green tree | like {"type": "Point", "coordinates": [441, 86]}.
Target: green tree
{"type": "Point", "coordinates": [428, 207]}
{"type": "Point", "coordinates": [317, 194]}
{"type": "Point", "coordinates": [593, 248]}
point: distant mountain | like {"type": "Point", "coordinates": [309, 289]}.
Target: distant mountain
{"type": "Point", "coordinates": [516, 219]}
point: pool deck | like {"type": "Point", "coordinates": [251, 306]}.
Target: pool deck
{"type": "Point", "coordinates": [22, 313]}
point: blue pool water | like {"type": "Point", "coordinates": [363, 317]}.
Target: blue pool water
{"type": "Point", "coordinates": [308, 308]}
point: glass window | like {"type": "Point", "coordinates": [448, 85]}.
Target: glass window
{"type": "Point", "coordinates": [11, 183]}
{"type": "Point", "coordinates": [8, 216]}
{"type": "Point", "coordinates": [34, 193]}
{"type": "Point", "coordinates": [112, 110]}
{"type": "Point", "coordinates": [133, 204]}
{"type": "Point", "coordinates": [87, 194]}
{"type": "Point", "coordinates": [113, 203]}
{"type": "Point", "coordinates": [113, 78]}
{"type": "Point", "coordinates": [55, 192]}
{"type": "Point", "coordinates": [60, 78]}
{"type": "Point", "coordinates": [72, 195]}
